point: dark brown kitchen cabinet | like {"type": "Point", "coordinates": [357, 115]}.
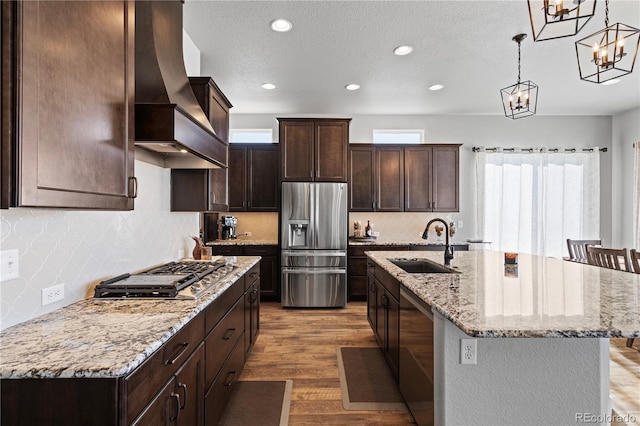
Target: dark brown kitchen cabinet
{"type": "Point", "coordinates": [181, 400]}
{"type": "Point", "coordinates": [199, 190]}
{"type": "Point", "coordinates": [269, 265]}
{"type": "Point", "coordinates": [186, 381]}
{"type": "Point", "coordinates": [410, 178]}
{"type": "Point", "coordinates": [383, 313]}
{"type": "Point", "coordinates": [253, 178]}
{"type": "Point", "coordinates": [357, 269]}
{"type": "Point", "coordinates": [68, 104]}
{"type": "Point", "coordinates": [251, 308]}
{"type": "Point", "coordinates": [313, 149]}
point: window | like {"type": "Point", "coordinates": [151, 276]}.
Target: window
{"type": "Point", "coordinates": [251, 135]}
{"type": "Point", "coordinates": [398, 136]}
{"type": "Point", "coordinates": [533, 202]}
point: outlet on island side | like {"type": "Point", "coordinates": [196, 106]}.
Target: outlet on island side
{"type": "Point", "coordinates": [468, 351]}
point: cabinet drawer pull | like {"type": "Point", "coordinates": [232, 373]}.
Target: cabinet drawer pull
{"type": "Point", "coordinates": [181, 350]}
{"type": "Point", "coordinates": [228, 334]}
{"type": "Point", "coordinates": [176, 398]}
{"type": "Point", "coordinates": [253, 275]}
{"type": "Point", "coordinates": [184, 396]}
{"type": "Point", "coordinates": [254, 296]}
{"type": "Point", "coordinates": [230, 377]}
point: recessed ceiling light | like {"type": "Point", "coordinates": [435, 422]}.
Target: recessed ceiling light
{"type": "Point", "coordinates": [268, 86]}
{"type": "Point", "coordinates": [402, 50]}
{"type": "Point", "coordinates": [184, 151]}
{"type": "Point", "coordinates": [436, 87]}
{"type": "Point", "coordinates": [281, 25]}
{"type": "Point", "coordinates": [610, 82]}
{"type": "Point", "coordinates": [352, 86]}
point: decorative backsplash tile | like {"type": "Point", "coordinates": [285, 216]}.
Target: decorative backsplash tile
{"type": "Point", "coordinates": [81, 248]}
{"type": "Point", "coordinates": [263, 226]}
{"type": "Point", "coordinates": [404, 226]}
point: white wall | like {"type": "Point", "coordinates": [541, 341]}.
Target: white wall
{"type": "Point", "coordinates": [81, 248]}
{"type": "Point", "coordinates": [191, 55]}
{"type": "Point", "coordinates": [488, 131]}
{"type": "Point", "coordinates": [626, 132]}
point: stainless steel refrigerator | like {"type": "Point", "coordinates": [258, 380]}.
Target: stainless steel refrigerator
{"type": "Point", "coordinates": [314, 244]}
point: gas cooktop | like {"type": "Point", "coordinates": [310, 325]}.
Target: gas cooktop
{"type": "Point", "coordinates": [183, 280]}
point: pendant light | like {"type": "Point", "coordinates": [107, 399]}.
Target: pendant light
{"type": "Point", "coordinates": [610, 53]}
{"type": "Point", "coordinates": [552, 19]}
{"type": "Point", "coordinates": [519, 100]}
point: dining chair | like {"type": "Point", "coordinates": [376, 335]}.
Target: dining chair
{"type": "Point", "coordinates": [609, 258]}
{"type": "Point", "coordinates": [578, 249]}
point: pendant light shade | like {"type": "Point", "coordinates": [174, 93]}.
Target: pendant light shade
{"type": "Point", "coordinates": [552, 19]}
{"type": "Point", "coordinates": [521, 99]}
{"type": "Point", "coordinates": [610, 53]}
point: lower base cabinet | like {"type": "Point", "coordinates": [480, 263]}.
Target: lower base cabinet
{"type": "Point", "coordinates": [269, 266]}
{"type": "Point", "coordinates": [187, 381]}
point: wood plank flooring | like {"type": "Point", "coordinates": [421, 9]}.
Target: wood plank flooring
{"type": "Point", "coordinates": [300, 344]}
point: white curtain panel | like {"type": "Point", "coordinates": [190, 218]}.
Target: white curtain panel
{"type": "Point", "coordinates": [533, 202]}
{"type": "Point", "coordinates": [636, 198]}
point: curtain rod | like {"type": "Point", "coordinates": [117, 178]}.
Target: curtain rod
{"type": "Point", "coordinates": [531, 150]}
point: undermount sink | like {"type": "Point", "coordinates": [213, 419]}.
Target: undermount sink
{"type": "Point", "coordinates": [421, 266]}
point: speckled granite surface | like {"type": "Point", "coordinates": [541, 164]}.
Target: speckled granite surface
{"type": "Point", "coordinates": [243, 242]}
{"type": "Point", "coordinates": [400, 242]}
{"type": "Point", "coordinates": [548, 298]}
{"type": "Point", "coordinates": [101, 338]}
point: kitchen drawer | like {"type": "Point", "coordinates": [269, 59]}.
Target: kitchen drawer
{"type": "Point", "coordinates": [252, 276]}
{"type": "Point", "coordinates": [359, 250]}
{"type": "Point", "coordinates": [218, 394]}
{"type": "Point", "coordinates": [226, 250]}
{"type": "Point", "coordinates": [260, 251]}
{"type": "Point", "coordinates": [222, 339]}
{"type": "Point", "coordinates": [141, 385]}
{"type": "Point", "coordinates": [219, 307]}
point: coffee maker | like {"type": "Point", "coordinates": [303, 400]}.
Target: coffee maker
{"type": "Point", "coordinates": [229, 224]}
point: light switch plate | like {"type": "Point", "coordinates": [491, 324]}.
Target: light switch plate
{"type": "Point", "coordinates": [9, 267]}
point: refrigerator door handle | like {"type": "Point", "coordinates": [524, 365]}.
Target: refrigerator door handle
{"type": "Point", "coordinates": [313, 271]}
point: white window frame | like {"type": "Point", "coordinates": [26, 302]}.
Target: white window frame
{"type": "Point", "coordinates": [233, 133]}
{"type": "Point", "coordinates": [386, 136]}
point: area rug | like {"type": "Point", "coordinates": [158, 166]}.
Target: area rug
{"type": "Point", "coordinates": [366, 381]}
{"type": "Point", "coordinates": [262, 403]}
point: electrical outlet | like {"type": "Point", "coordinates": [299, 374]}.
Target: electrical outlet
{"type": "Point", "coordinates": [9, 265]}
{"type": "Point", "coordinates": [247, 234]}
{"type": "Point", "coordinates": [460, 224]}
{"type": "Point", "coordinates": [52, 294]}
{"type": "Point", "coordinates": [468, 351]}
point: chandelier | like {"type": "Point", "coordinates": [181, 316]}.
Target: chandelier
{"type": "Point", "coordinates": [559, 18]}
{"type": "Point", "coordinates": [610, 53]}
{"type": "Point", "coordinates": [519, 100]}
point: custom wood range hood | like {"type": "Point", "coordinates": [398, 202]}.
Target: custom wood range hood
{"type": "Point", "coordinates": [169, 122]}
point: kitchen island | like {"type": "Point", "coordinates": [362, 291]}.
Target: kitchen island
{"type": "Point", "coordinates": [107, 362]}
{"type": "Point", "coordinates": [542, 330]}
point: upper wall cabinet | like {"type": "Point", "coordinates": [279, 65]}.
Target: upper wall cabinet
{"type": "Point", "coordinates": [200, 190]}
{"type": "Point", "coordinates": [253, 178]}
{"type": "Point", "coordinates": [410, 178]}
{"type": "Point", "coordinates": [67, 104]}
{"type": "Point", "coordinates": [314, 149]}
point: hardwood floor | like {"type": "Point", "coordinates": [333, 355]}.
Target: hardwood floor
{"type": "Point", "coordinates": [300, 344]}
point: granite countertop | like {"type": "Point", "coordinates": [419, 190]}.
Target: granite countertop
{"type": "Point", "coordinates": [400, 242]}
{"type": "Point", "coordinates": [101, 338]}
{"type": "Point", "coordinates": [549, 297]}
{"type": "Point", "coordinates": [242, 242]}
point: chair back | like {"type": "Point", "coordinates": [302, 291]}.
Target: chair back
{"type": "Point", "coordinates": [609, 258]}
{"type": "Point", "coordinates": [578, 249]}
{"type": "Point", "coordinates": [635, 260]}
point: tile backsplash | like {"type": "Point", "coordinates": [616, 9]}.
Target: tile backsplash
{"type": "Point", "coordinates": [405, 226]}
{"type": "Point", "coordinates": [81, 248]}
{"type": "Point", "coordinates": [263, 226]}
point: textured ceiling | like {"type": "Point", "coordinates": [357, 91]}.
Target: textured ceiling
{"type": "Point", "coordinates": [465, 45]}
